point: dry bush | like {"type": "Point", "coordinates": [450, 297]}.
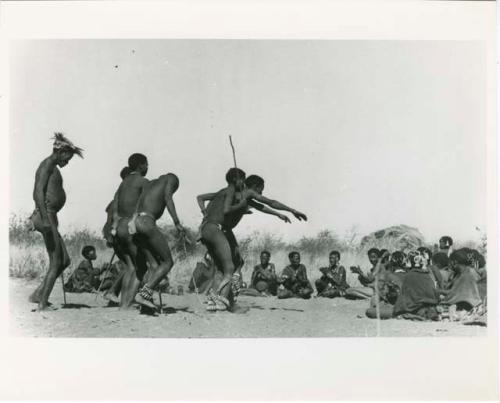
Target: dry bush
{"type": "Point", "coordinates": [28, 258]}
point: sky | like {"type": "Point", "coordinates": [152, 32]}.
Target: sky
{"type": "Point", "coordinates": [356, 134]}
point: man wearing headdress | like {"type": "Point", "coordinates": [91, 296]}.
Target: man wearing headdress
{"type": "Point", "coordinates": [49, 197]}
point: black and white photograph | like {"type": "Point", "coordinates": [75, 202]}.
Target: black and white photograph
{"type": "Point", "coordinates": [250, 188]}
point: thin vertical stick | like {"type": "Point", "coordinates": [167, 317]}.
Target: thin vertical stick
{"type": "Point", "coordinates": [161, 302]}
{"type": "Point", "coordinates": [63, 290]}
{"type": "Point", "coordinates": [234, 152]}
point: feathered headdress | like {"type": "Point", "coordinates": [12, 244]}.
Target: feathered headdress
{"type": "Point", "coordinates": [61, 142]}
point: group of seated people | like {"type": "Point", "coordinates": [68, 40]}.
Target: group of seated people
{"type": "Point", "coordinates": [419, 285]}
{"type": "Point", "coordinates": [449, 284]}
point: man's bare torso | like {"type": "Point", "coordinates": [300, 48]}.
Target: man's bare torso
{"type": "Point", "coordinates": [55, 196]}
{"type": "Point", "coordinates": [128, 194]}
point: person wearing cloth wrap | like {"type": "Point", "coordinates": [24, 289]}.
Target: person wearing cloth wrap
{"type": "Point", "coordinates": [151, 243]}
{"type": "Point", "coordinates": [49, 197]}
{"type": "Point", "coordinates": [123, 208]}
{"type": "Point", "coordinates": [113, 292]}
{"type": "Point", "coordinates": [223, 213]}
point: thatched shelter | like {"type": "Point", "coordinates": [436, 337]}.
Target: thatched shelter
{"type": "Point", "coordinates": [398, 237]}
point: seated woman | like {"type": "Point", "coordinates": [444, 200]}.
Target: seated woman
{"type": "Point", "coordinates": [419, 296]}
{"type": "Point", "coordinates": [463, 292]}
{"type": "Point", "coordinates": [478, 263]}
{"type": "Point", "coordinates": [434, 271]}
{"type": "Point", "coordinates": [367, 280]}
{"type": "Point", "coordinates": [333, 281]}
{"type": "Point", "coordinates": [293, 280]}
{"type": "Point", "coordinates": [388, 284]}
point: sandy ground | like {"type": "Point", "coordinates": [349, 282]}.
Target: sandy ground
{"type": "Point", "coordinates": [88, 316]}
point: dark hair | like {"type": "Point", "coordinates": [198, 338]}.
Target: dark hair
{"type": "Point", "coordinates": [335, 252]}
{"type": "Point", "coordinates": [254, 181]}
{"type": "Point", "coordinates": [398, 257]}
{"type": "Point", "coordinates": [125, 172]}
{"type": "Point", "coordinates": [423, 250]}
{"type": "Point", "coordinates": [460, 256]}
{"type": "Point", "coordinates": [136, 160]}
{"type": "Point", "coordinates": [292, 254]}
{"type": "Point", "coordinates": [265, 252]}
{"type": "Point", "coordinates": [86, 250]}
{"type": "Point", "coordinates": [481, 261]}
{"type": "Point", "coordinates": [373, 250]}
{"type": "Point", "coordinates": [234, 174]}
{"type": "Point", "coordinates": [447, 240]}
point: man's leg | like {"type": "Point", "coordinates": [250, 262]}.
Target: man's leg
{"type": "Point", "coordinates": [60, 260]}
{"type": "Point", "coordinates": [221, 250]}
{"type": "Point", "coordinates": [320, 285]}
{"type": "Point", "coordinates": [153, 244]}
{"type": "Point", "coordinates": [130, 282]}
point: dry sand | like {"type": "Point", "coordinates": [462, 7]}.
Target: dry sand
{"type": "Point", "coordinates": [87, 316]}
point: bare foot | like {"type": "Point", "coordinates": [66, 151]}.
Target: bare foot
{"type": "Point", "coordinates": [34, 297]}
{"type": "Point", "coordinates": [144, 302]}
{"type": "Point", "coordinates": [45, 308]}
{"type": "Point", "coordinates": [111, 297]}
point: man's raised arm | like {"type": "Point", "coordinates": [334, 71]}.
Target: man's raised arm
{"type": "Point", "coordinates": [276, 205]}
{"type": "Point", "coordinates": [267, 210]}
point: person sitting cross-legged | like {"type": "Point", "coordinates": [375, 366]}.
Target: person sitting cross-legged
{"type": "Point", "coordinates": [85, 278]}
{"type": "Point", "coordinates": [333, 281]}
{"type": "Point", "coordinates": [293, 280]}
{"type": "Point", "coordinates": [264, 278]}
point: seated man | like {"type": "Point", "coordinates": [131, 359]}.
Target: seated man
{"type": "Point", "coordinates": [445, 249]}
{"type": "Point", "coordinates": [367, 280]}
{"type": "Point", "coordinates": [203, 275]}
{"type": "Point", "coordinates": [419, 297]}
{"type": "Point", "coordinates": [264, 279]}
{"type": "Point", "coordinates": [293, 280]}
{"type": "Point", "coordinates": [333, 281]}
{"type": "Point", "coordinates": [85, 278]}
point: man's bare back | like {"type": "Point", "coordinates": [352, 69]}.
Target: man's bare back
{"type": "Point", "coordinates": [153, 199]}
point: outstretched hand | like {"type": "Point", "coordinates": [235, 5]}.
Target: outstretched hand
{"type": "Point", "coordinates": [299, 216]}
{"type": "Point", "coordinates": [284, 218]}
